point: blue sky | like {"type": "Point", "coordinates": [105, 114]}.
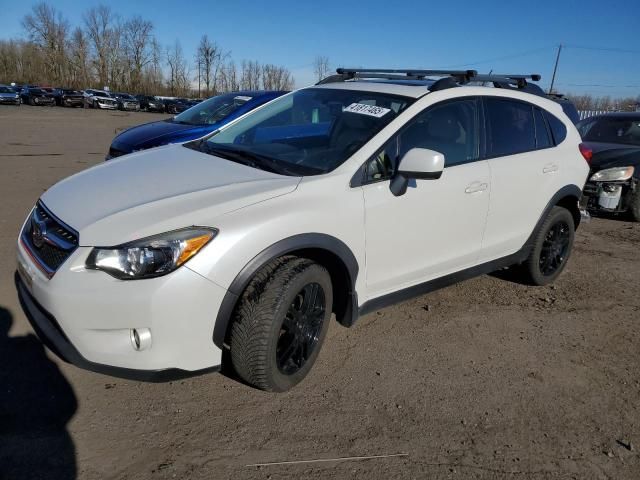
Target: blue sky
{"type": "Point", "coordinates": [508, 37]}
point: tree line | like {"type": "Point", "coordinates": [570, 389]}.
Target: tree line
{"type": "Point", "coordinates": [124, 54]}
{"type": "Point", "coordinates": [606, 103]}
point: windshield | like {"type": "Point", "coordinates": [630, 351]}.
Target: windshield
{"type": "Point", "coordinates": [36, 90]}
{"type": "Point", "coordinates": [98, 93]}
{"type": "Point", "coordinates": [6, 90]}
{"type": "Point", "coordinates": [213, 110]}
{"type": "Point", "coordinates": [625, 130]}
{"type": "Point", "coordinates": [310, 131]}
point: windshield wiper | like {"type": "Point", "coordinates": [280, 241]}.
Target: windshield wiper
{"type": "Point", "coordinates": [244, 157]}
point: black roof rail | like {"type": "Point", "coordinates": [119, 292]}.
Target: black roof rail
{"type": "Point", "coordinates": [344, 74]}
{"type": "Point", "coordinates": [451, 78]}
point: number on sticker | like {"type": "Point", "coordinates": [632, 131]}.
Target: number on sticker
{"type": "Point", "coordinates": [365, 109]}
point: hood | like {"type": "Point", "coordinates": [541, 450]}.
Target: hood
{"type": "Point", "coordinates": [157, 191]}
{"type": "Point", "coordinates": [609, 155]}
{"type": "Point", "coordinates": [159, 133]}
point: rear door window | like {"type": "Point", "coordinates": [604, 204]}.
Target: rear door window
{"type": "Point", "coordinates": [510, 127]}
{"type": "Point", "coordinates": [543, 138]}
{"type": "Point", "coordinates": [558, 129]}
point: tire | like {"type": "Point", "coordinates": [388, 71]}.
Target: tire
{"type": "Point", "coordinates": [634, 207]}
{"type": "Point", "coordinates": [273, 342]}
{"type": "Point", "coordinates": [551, 248]}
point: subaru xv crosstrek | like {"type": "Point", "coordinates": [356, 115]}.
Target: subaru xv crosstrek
{"type": "Point", "coordinates": [336, 199]}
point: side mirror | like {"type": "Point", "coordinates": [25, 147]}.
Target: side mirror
{"type": "Point", "coordinates": [417, 163]}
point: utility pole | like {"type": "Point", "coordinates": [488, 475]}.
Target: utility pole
{"type": "Point", "coordinates": [555, 68]}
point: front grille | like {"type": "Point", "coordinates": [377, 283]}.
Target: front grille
{"type": "Point", "coordinates": [49, 241]}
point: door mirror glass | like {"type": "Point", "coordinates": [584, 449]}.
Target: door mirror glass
{"type": "Point", "coordinates": [417, 163]}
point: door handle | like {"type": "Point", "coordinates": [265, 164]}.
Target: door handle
{"type": "Point", "coordinates": [476, 187]}
{"type": "Point", "coordinates": [550, 168]}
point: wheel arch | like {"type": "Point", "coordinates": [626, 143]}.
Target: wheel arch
{"type": "Point", "coordinates": [328, 251]}
{"type": "Point", "coordinates": [567, 197]}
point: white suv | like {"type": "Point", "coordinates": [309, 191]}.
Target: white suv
{"type": "Point", "coordinates": [345, 197]}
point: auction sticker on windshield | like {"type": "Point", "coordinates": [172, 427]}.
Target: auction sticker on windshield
{"type": "Point", "coordinates": [365, 109]}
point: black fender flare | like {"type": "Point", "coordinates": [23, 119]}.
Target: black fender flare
{"type": "Point", "coordinates": [566, 191]}
{"type": "Point", "coordinates": [303, 241]}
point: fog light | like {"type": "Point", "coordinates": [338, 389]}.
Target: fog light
{"type": "Point", "coordinates": [140, 338]}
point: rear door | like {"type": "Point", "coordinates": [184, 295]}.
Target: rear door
{"type": "Point", "coordinates": [524, 173]}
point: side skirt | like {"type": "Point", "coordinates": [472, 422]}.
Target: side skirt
{"type": "Point", "coordinates": [432, 285]}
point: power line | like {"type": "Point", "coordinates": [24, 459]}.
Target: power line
{"type": "Point", "coordinates": [506, 57]}
{"type": "Point", "coordinates": [603, 49]}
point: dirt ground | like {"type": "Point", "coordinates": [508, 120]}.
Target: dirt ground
{"type": "Point", "coordinates": [486, 379]}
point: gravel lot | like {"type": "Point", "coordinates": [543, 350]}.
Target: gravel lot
{"type": "Point", "coordinates": [485, 379]}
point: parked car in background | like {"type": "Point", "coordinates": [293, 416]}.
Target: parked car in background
{"type": "Point", "coordinates": [99, 99]}
{"type": "Point", "coordinates": [126, 101]}
{"type": "Point", "coordinates": [37, 96]}
{"type": "Point", "coordinates": [68, 97]}
{"type": "Point", "coordinates": [612, 142]}
{"type": "Point", "coordinates": [194, 123]}
{"type": "Point", "coordinates": [8, 96]}
{"type": "Point", "coordinates": [150, 103]}
{"type": "Point", "coordinates": [176, 105]}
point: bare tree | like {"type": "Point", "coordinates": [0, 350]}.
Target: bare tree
{"type": "Point", "coordinates": [251, 75]}
{"type": "Point", "coordinates": [98, 24]}
{"type": "Point", "coordinates": [47, 29]}
{"type": "Point", "coordinates": [137, 43]}
{"type": "Point", "coordinates": [178, 81]}
{"type": "Point", "coordinates": [210, 60]}
{"type": "Point", "coordinates": [229, 80]}
{"type": "Point", "coordinates": [321, 67]}
{"type": "Point", "coordinates": [78, 67]}
{"type": "Point", "coordinates": [276, 78]}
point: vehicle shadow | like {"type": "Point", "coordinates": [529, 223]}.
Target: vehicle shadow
{"type": "Point", "coordinates": [36, 403]}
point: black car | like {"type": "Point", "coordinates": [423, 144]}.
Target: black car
{"type": "Point", "coordinates": [37, 96]}
{"type": "Point", "coordinates": [68, 97]}
{"type": "Point", "coordinates": [613, 143]}
{"type": "Point", "coordinates": [150, 104]}
{"type": "Point", "coordinates": [126, 101]}
{"type": "Point", "coordinates": [176, 105]}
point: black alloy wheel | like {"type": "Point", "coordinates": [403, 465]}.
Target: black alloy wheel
{"type": "Point", "coordinates": [551, 248]}
{"type": "Point", "coordinates": [555, 248]}
{"type": "Point", "coordinates": [300, 330]}
{"type": "Point", "coordinates": [280, 323]}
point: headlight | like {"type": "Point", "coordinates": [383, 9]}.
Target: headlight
{"type": "Point", "coordinates": [152, 256]}
{"type": "Point", "coordinates": [615, 174]}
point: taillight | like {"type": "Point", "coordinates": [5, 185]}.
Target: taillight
{"type": "Point", "coordinates": [586, 152]}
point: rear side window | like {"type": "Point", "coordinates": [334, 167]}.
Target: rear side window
{"type": "Point", "coordinates": [558, 129]}
{"type": "Point", "coordinates": [543, 138]}
{"type": "Point", "coordinates": [510, 127]}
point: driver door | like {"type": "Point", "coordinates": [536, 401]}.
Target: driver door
{"type": "Point", "coordinates": [436, 227]}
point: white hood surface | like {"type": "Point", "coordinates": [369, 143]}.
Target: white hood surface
{"type": "Point", "coordinates": [158, 190]}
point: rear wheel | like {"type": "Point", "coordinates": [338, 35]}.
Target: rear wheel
{"type": "Point", "coordinates": [551, 248]}
{"type": "Point", "coordinates": [280, 323]}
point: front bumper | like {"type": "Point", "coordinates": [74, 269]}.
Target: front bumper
{"type": "Point", "coordinates": [612, 197]}
{"type": "Point", "coordinates": [9, 101]}
{"type": "Point", "coordinates": [73, 102]}
{"type": "Point", "coordinates": [86, 317]}
{"type": "Point", "coordinates": [44, 101]}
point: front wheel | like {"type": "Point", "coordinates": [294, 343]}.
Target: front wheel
{"type": "Point", "coordinates": [551, 248]}
{"type": "Point", "coordinates": [280, 323]}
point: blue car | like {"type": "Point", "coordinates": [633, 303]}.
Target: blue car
{"type": "Point", "coordinates": [196, 122]}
